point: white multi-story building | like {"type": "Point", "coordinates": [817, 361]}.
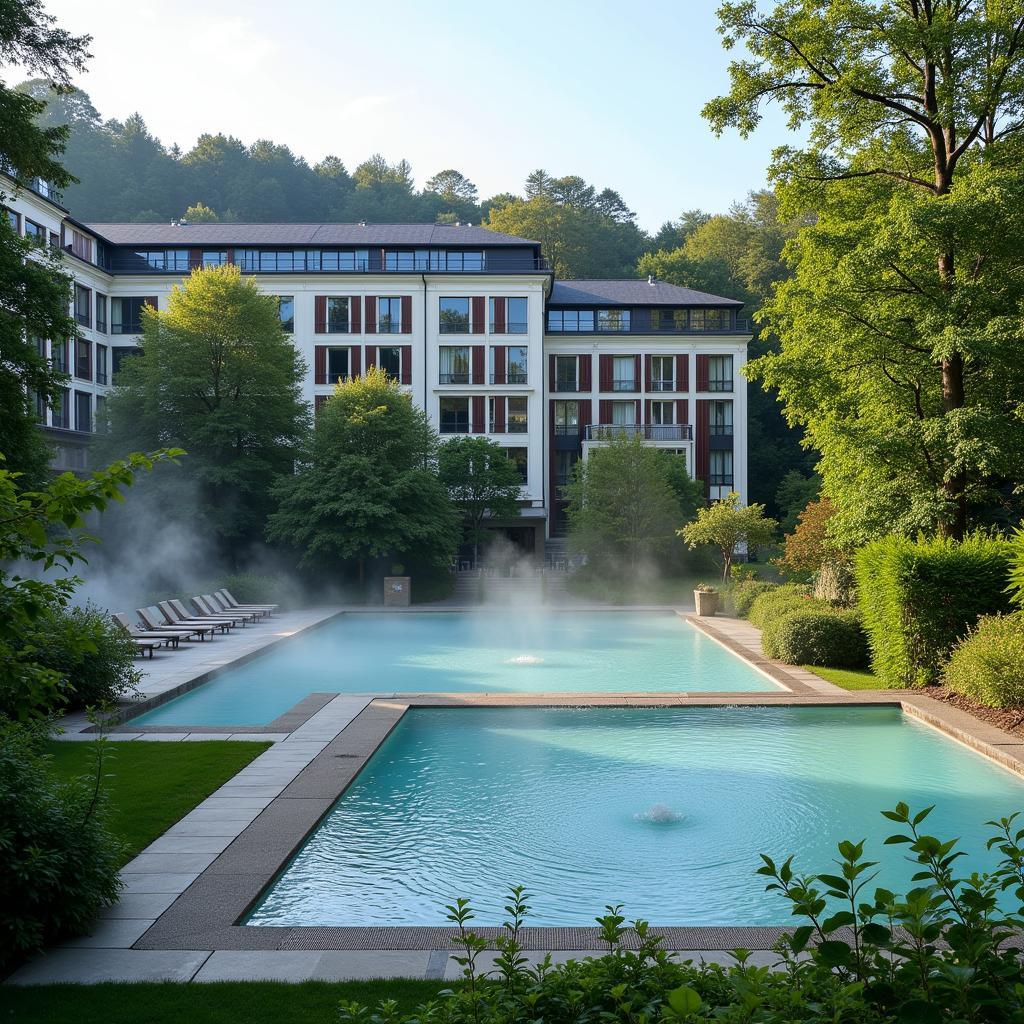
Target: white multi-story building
{"type": "Point", "coordinates": [469, 320]}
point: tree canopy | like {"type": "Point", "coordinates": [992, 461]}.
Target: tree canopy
{"type": "Point", "coordinates": [725, 525]}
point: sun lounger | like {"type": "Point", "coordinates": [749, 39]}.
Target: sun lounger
{"type": "Point", "coordinates": [228, 608]}
{"type": "Point", "coordinates": [174, 612]}
{"type": "Point", "coordinates": [232, 603]}
{"type": "Point", "coordinates": [218, 604]}
{"type": "Point", "coordinates": [151, 618]}
{"type": "Point", "coordinates": [202, 608]}
{"type": "Point", "coordinates": [125, 623]}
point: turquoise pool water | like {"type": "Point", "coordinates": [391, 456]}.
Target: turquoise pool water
{"type": "Point", "coordinates": [435, 652]}
{"type": "Point", "coordinates": [465, 802]}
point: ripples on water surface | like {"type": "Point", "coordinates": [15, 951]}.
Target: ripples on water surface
{"type": "Point", "coordinates": [664, 810]}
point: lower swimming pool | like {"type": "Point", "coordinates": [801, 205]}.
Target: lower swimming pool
{"type": "Point", "coordinates": [431, 652]}
{"type": "Point", "coordinates": [663, 810]}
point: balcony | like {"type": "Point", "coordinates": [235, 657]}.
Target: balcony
{"type": "Point", "coordinates": [509, 378]}
{"type": "Point", "coordinates": [648, 431]}
{"type": "Point", "coordinates": [740, 325]}
{"type": "Point", "coordinates": [565, 386]}
{"type": "Point", "coordinates": [720, 385]}
{"type": "Point", "coordinates": [626, 384]}
{"type": "Point", "coordinates": [662, 385]}
{"type": "Point", "coordinates": [453, 378]}
{"type": "Point", "coordinates": [510, 328]}
{"type": "Point", "coordinates": [566, 437]}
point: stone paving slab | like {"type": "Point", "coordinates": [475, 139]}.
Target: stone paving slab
{"type": "Point", "coordinates": [112, 933]}
{"type": "Point", "coordinates": [312, 965]}
{"type": "Point", "coordinates": [90, 966]}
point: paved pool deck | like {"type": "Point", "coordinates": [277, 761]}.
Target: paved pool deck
{"type": "Point", "coordinates": [184, 894]}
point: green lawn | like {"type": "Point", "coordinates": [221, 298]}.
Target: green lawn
{"type": "Point", "coordinates": [150, 784]}
{"type": "Point", "coordinates": [848, 679]}
{"type": "Point", "coordinates": [265, 1002]}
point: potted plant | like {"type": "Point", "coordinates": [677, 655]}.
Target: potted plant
{"type": "Point", "coordinates": [705, 597]}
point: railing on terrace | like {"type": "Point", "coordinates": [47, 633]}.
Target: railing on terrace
{"type": "Point", "coordinates": [741, 325]}
{"type": "Point", "coordinates": [625, 384]}
{"type": "Point", "coordinates": [510, 328]}
{"type": "Point", "coordinates": [563, 385]}
{"type": "Point", "coordinates": [509, 378]}
{"type": "Point", "coordinates": [453, 378]}
{"type": "Point", "coordinates": [663, 385]}
{"type": "Point", "coordinates": [301, 262]}
{"type": "Point", "coordinates": [648, 431]}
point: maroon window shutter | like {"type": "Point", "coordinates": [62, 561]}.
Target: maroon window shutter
{"type": "Point", "coordinates": [682, 372]}
{"type": "Point", "coordinates": [320, 314]}
{"type": "Point", "coordinates": [702, 459]}
{"type": "Point", "coordinates": [318, 402]}
{"type": "Point", "coordinates": [585, 413]}
{"type": "Point", "coordinates": [499, 414]}
{"type": "Point", "coordinates": [230, 254]}
{"type": "Point", "coordinates": [407, 364]}
{"type": "Point", "coordinates": [647, 373]}
{"type": "Point", "coordinates": [354, 361]}
{"type": "Point", "coordinates": [479, 426]}
{"type": "Point", "coordinates": [682, 413]}
{"type": "Point", "coordinates": [552, 465]}
{"type": "Point", "coordinates": [152, 301]}
{"type": "Point", "coordinates": [647, 409]}
{"type": "Point", "coordinates": [703, 372]}
{"type": "Point", "coordinates": [355, 304]}
{"type": "Point", "coordinates": [636, 370]}
{"type": "Point", "coordinates": [604, 411]}
{"type": "Point", "coordinates": [636, 414]}
{"type": "Point", "coordinates": [551, 373]}
{"type": "Point", "coordinates": [371, 314]}
{"type": "Point", "coordinates": [499, 364]}
{"type": "Point", "coordinates": [195, 258]}
{"type": "Point", "coordinates": [407, 314]}
{"type": "Point", "coordinates": [606, 368]}
{"type": "Point", "coordinates": [586, 380]}
{"type": "Point", "coordinates": [371, 356]}
{"type": "Point", "coordinates": [320, 364]}
{"type": "Point", "coordinates": [499, 315]}
{"type": "Point", "coordinates": [478, 354]}
{"type": "Point", "coordinates": [477, 318]}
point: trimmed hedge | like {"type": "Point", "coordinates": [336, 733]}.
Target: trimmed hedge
{"type": "Point", "coordinates": [988, 665]}
{"type": "Point", "coordinates": [833, 639]}
{"type": "Point", "coordinates": [743, 594]}
{"type": "Point", "coordinates": [919, 598]}
{"type": "Point", "coordinates": [773, 604]}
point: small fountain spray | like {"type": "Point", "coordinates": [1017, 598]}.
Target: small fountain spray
{"type": "Point", "coordinates": [659, 814]}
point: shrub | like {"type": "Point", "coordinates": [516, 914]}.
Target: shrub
{"type": "Point", "coordinates": [252, 587]}
{"type": "Point", "coordinates": [858, 955]}
{"type": "Point", "coordinates": [806, 637]}
{"type": "Point", "coordinates": [918, 598]}
{"type": "Point", "coordinates": [58, 862]}
{"type": "Point", "coordinates": [779, 601]}
{"type": "Point", "coordinates": [743, 595]}
{"type": "Point", "coordinates": [988, 664]}
{"type": "Point", "coordinates": [93, 654]}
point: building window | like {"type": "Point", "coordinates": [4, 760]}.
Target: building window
{"type": "Point", "coordinates": [565, 373]}
{"type": "Point", "coordinates": [516, 421]}
{"type": "Point", "coordinates": [719, 373]}
{"type": "Point", "coordinates": [337, 315]}
{"type": "Point", "coordinates": [613, 319]}
{"type": "Point", "coordinates": [120, 355]}
{"type": "Point", "coordinates": [453, 316]}
{"type": "Point", "coordinates": [624, 373]}
{"type": "Point", "coordinates": [720, 419]}
{"type": "Point", "coordinates": [662, 373]}
{"type": "Point", "coordinates": [623, 413]}
{"type": "Point", "coordinates": [519, 457]}
{"type": "Point", "coordinates": [389, 315]}
{"type": "Point", "coordinates": [83, 305]}
{"type": "Point", "coordinates": [60, 414]}
{"type": "Point", "coordinates": [389, 359]}
{"type": "Point", "coordinates": [286, 312]}
{"type": "Point", "coordinates": [565, 466]}
{"type": "Point", "coordinates": [338, 363]}
{"type": "Point", "coordinates": [516, 365]}
{"type": "Point", "coordinates": [571, 320]}
{"type": "Point", "coordinates": [101, 364]}
{"type": "Point", "coordinates": [214, 257]}
{"type": "Point", "coordinates": [59, 356]}
{"type": "Point", "coordinates": [669, 320]}
{"type": "Point", "coordinates": [83, 411]}
{"type": "Point", "coordinates": [81, 246]}
{"type": "Point", "coordinates": [83, 359]}
{"type": "Point", "coordinates": [453, 365]}
{"type": "Point", "coordinates": [454, 415]}
{"type": "Point", "coordinates": [100, 418]}
{"type": "Point", "coordinates": [336, 259]}
{"type": "Point", "coordinates": [567, 418]}
{"type": "Point", "coordinates": [709, 319]}
{"type": "Point", "coordinates": [35, 231]}
{"type": "Point", "coordinates": [167, 259]}
{"type": "Point", "coordinates": [101, 313]}
{"type": "Point", "coordinates": [720, 468]}
{"type": "Point", "coordinates": [663, 413]}
{"type": "Point", "coordinates": [13, 219]}
{"type": "Point", "coordinates": [126, 315]}
{"type": "Point", "coordinates": [515, 316]}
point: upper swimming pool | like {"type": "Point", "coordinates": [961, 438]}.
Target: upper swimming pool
{"type": "Point", "coordinates": [442, 652]}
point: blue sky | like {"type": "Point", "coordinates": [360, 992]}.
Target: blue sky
{"type": "Point", "coordinates": [610, 91]}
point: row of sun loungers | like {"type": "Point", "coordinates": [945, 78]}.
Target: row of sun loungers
{"type": "Point", "coordinates": [168, 623]}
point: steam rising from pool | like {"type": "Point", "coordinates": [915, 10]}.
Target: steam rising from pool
{"type": "Point", "coordinates": [524, 659]}
{"type": "Point", "coordinates": [659, 814]}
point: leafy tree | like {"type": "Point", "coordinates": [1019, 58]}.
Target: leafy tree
{"type": "Point", "coordinates": [200, 213]}
{"type": "Point", "coordinates": [795, 492]}
{"type": "Point", "coordinates": [34, 295]}
{"type": "Point", "coordinates": [482, 482]}
{"type": "Point", "coordinates": [452, 186]}
{"type": "Point", "coordinates": [900, 327]}
{"type": "Point", "coordinates": [218, 377]}
{"type": "Point", "coordinates": [623, 505]}
{"type": "Point", "coordinates": [726, 524]}
{"type": "Point", "coordinates": [367, 486]}
{"type": "Point", "coordinates": [809, 545]}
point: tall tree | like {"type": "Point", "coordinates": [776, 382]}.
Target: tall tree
{"type": "Point", "coordinates": [34, 294]}
{"type": "Point", "coordinates": [367, 487]}
{"type": "Point", "coordinates": [900, 327]}
{"type": "Point", "coordinates": [482, 482]}
{"type": "Point", "coordinates": [217, 377]}
{"type": "Point", "coordinates": [452, 186]}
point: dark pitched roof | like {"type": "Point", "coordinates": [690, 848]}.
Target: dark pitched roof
{"type": "Point", "coordinates": [184, 235]}
{"type": "Point", "coordinates": [632, 293]}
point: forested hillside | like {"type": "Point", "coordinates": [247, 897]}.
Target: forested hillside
{"type": "Point", "coordinates": [126, 174]}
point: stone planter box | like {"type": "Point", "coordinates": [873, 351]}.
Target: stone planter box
{"type": "Point", "coordinates": [706, 601]}
{"type": "Point", "coordinates": [397, 591]}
